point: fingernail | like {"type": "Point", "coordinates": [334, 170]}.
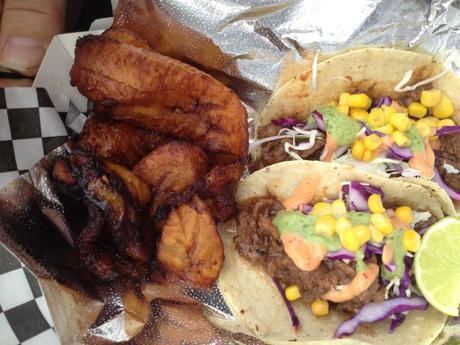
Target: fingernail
{"type": "Point", "coordinates": [22, 54]}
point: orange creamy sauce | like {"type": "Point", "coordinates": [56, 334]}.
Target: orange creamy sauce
{"type": "Point", "coordinates": [423, 161]}
{"type": "Point", "coordinates": [303, 193]}
{"type": "Point", "coordinates": [358, 285]}
{"type": "Point", "coordinates": [306, 256]}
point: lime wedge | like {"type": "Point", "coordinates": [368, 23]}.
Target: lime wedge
{"type": "Point", "coordinates": [437, 266]}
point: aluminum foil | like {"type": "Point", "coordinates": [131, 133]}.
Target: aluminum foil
{"type": "Point", "coordinates": [246, 44]}
{"type": "Point", "coordinates": [258, 37]}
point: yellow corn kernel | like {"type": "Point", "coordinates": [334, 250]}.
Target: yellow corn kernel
{"type": "Point", "coordinates": [382, 223]}
{"type": "Point", "coordinates": [376, 235]}
{"type": "Point", "coordinates": [400, 121]}
{"type": "Point", "coordinates": [343, 99]}
{"type": "Point", "coordinates": [387, 129]}
{"type": "Point", "coordinates": [338, 208]}
{"type": "Point", "coordinates": [342, 108]}
{"type": "Point", "coordinates": [359, 100]}
{"type": "Point", "coordinates": [320, 307]}
{"type": "Point", "coordinates": [357, 151]}
{"type": "Point", "coordinates": [444, 109]}
{"type": "Point", "coordinates": [416, 109]}
{"type": "Point", "coordinates": [375, 204]}
{"type": "Point", "coordinates": [376, 118]}
{"type": "Point", "coordinates": [332, 104]}
{"type": "Point", "coordinates": [404, 213]}
{"type": "Point", "coordinates": [372, 142]}
{"type": "Point", "coordinates": [411, 240]}
{"type": "Point", "coordinates": [363, 233]}
{"type": "Point", "coordinates": [349, 240]}
{"type": "Point", "coordinates": [430, 121]}
{"type": "Point", "coordinates": [325, 225]}
{"type": "Point", "coordinates": [368, 156]}
{"type": "Point", "coordinates": [445, 123]}
{"type": "Point", "coordinates": [359, 114]}
{"type": "Point", "coordinates": [400, 139]}
{"type": "Point", "coordinates": [321, 209]}
{"type": "Point", "coordinates": [292, 292]}
{"type": "Point", "coordinates": [423, 128]}
{"type": "Point", "coordinates": [342, 224]}
{"type": "Point", "coordinates": [430, 98]}
{"type": "Point", "coordinates": [388, 111]}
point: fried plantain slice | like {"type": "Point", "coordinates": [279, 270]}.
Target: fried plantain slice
{"type": "Point", "coordinates": [190, 127]}
{"type": "Point", "coordinates": [219, 190]}
{"type": "Point", "coordinates": [112, 70]}
{"type": "Point", "coordinates": [139, 190]}
{"type": "Point", "coordinates": [120, 142]}
{"type": "Point", "coordinates": [190, 247]}
{"type": "Point", "coordinates": [173, 167]}
{"type": "Point", "coordinates": [125, 222]}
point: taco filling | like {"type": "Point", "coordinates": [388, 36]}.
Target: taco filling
{"type": "Point", "coordinates": [352, 255]}
{"type": "Point", "coordinates": [413, 135]}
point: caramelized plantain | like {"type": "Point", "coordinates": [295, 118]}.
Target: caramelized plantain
{"type": "Point", "coordinates": [190, 247]}
{"type": "Point", "coordinates": [173, 167]}
{"type": "Point", "coordinates": [139, 190]}
{"type": "Point", "coordinates": [121, 143]}
{"type": "Point", "coordinates": [110, 68]}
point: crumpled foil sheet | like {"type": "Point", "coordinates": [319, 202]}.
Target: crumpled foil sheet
{"type": "Point", "coordinates": [246, 44]}
{"type": "Point", "coordinates": [255, 39]}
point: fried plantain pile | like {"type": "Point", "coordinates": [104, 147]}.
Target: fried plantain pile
{"type": "Point", "coordinates": [156, 164]}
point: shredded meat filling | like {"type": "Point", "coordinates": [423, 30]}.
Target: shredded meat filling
{"type": "Point", "coordinates": [274, 152]}
{"type": "Point", "coordinates": [449, 153]}
{"type": "Point", "coordinates": [258, 241]}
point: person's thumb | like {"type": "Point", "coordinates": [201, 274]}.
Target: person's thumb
{"type": "Point", "coordinates": [27, 27]}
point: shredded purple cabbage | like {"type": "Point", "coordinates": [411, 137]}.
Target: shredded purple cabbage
{"type": "Point", "coordinates": [448, 130]}
{"type": "Point", "coordinates": [391, 267]}
{"type": "Point", "coordinates": [422, 230]}
{"type": "Point", "coordinates": [397, 321]}
{"type": "Point", "coordinates": [371, 248]}
{"type": "Point", "coordinates": [288, 122]}
{"type": "Point", "coordinates": [319, 120]}
{"type": "Point", "coordinates": [294, 319]}
{"type": "Point", "coordinates": [373, 189]}
{"type": "Point", "coordinates": [399, 153]}
{"type": "Point", "coordinates": [438, 179]}
{"type": "Point", "coordinates": [370, 131]}
{"type": "Point", "coordinates": [405, 280]}
{"type": "Point", "coordinates": [378, 311]}
{"type": "Point", "coordinates": [341, 254]}
{"type": "Point", "coordinates": [385, 100]}
{"type": "Point", "coordinates": [355, 195]}
{"type": "Point", "coordinates": [306, 209]}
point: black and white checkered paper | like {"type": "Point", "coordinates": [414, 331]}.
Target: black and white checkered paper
{"type": "Point", "coordinates": [30, 127]}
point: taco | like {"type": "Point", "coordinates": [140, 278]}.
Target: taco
{"type": "Point", "coordinates": [315, 244]}
{"type": "Point", "coordinates": [387, 111]}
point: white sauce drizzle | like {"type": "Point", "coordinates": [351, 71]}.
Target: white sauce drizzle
{"type": "Point", "coordinates": [419, 217]}
{"type": "Point", "coordinates": [314, 71]}
{"type": "Point", "coordinates": [410, 172]}
{"type": "Point", "coordinates": [408, 75]}
{"type": "Point", "coordinates": [450, 169]}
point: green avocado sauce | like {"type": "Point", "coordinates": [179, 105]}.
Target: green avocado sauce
{"type": "Point", "coordinates": [340, 126]}
{"type": "Point", "coordinates": [416, 140]}
{"type": "Point", "coordinates": [359, 218]}
{"type": "Point", "coordinates": [395, 240]}
{"type": "Point", "coordinates": [293, 222]}
{"type": "Point", "coordinates": [360, 264]}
